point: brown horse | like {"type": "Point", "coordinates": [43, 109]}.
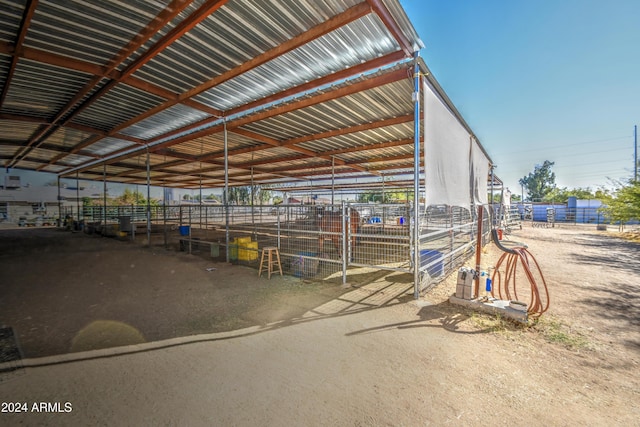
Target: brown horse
{"type": "Point", "coordinates": [333, 222]}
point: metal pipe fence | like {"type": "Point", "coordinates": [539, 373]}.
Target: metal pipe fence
{"type": "Point", "coordinates": [315, 241]}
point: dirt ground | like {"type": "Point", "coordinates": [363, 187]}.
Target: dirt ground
{"type": "Point", "coordinates": [117, 334]}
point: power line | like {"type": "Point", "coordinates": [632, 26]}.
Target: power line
{"type": "Point", "coordinates": [559, 146]}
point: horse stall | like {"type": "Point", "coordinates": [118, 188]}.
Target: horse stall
{"type": "Point", "coordinates": [329, 241]}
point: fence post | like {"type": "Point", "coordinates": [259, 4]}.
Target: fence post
{"type": "Point", "coordinates": [345, 259]}
{"type": "Point", "coordinates": [278, 225]}
{"type": "Point", "coordinates": [416, 175]}
{"type": "Point", "coordinates": [478, 249]}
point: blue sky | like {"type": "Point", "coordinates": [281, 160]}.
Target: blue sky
{"type": "Point", "coordinates": [540, 80]}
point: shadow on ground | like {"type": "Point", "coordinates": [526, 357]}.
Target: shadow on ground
{"type": "Point", "coordinates": [64, 292]}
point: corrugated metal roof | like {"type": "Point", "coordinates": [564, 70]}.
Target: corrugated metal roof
{"type": "Point", "coordinates": [11, 15]}
{"type": "Point", "coordinates": [108, 145]}
{"type": "Point", "coordinates": [167, 120]}
{"type": "Point", "coordinates": [41, 90]}
{"type": "Point", "coordinates": [318, 58]}
{"type": "Point", "coordinates": [91, 31]}
{"type": "Point", "coordinates": [304, 87]}
{"type": "Point", "coordinates": [118, 106]}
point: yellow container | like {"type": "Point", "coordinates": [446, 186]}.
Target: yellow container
{"type": "Point", "coordinates": [248, 251]}
{"type": "Point", "coordinates": [242, 241]}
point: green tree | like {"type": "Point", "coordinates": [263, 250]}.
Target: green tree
{"type": "Point", "coordinates": [539, 183]}
{"type": "Point", "coordinates": [624, 204]}
{"type": "Point", "coordinates": [239, 195]}
{"type": "Point", "coordinates": [129, 197]}
{"type": "Point", "coordinates": [387, 197]}
{"type": "Point", "coordinates": [260, 195]}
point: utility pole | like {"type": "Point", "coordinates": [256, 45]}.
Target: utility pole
{"type": "Point", "coordinates": [635, 153]}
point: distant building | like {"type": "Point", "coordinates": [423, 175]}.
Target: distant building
{"type": "Point", "coordinates": [169, 196]}
{"type": "Point", "coordinates": [24, 204]}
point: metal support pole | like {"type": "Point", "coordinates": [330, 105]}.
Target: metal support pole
{"type": "Point", "coordinates": [478, 251]}
{"type": "Point", "coordinates": [635, 153]}
{"type": "Point", "coordinates": [78, 197]}
{"type": "Point", "coordinates": [415, 247]}
{"type": "Point", "coordinates": [148, 199]}
{"type": "Point", "coordinates": [278, 224]}
{"type": "Point", "coordinates": [164, 215]}
{"type": "Point", "coordinates": [59, 224]}
{"type": "Point", "coordinates": [189, 235]}
{"type": "Point", "coordinates": [104, 196]}
{"type": "Point", "coordinates": [333, 179]}
{"type": "Point", "coordinates": [491, 210]}
{"type": "Point", "coordinates": [226, 188]}
{"type": "Point", "coordinates": [384, 210]}
{"type": "Point", "coordinates": [253, 201]}
{"type": "Point", "coordinates": [345, 255]}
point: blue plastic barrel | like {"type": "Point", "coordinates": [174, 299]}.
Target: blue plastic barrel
{"type": "Point", "coordinates": [184, 230]}
{"type": "Point", "coordinates": [435, 258]}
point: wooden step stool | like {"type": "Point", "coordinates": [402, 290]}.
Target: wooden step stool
{"type": "Point", "coordinates": [271, 260]}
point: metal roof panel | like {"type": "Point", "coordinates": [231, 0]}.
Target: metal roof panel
{"type": "Point", "coordinates": [41, 90]}
{"type": "Point", "coordinates": [107, 146]}
{"type": "Point", "coordinates": [172, 118]}
{"type": "Point", "coordinates": [351, 45]}
{"type": "Point", "coordinates": [88, 30]}
{"type": "Point", "coordinates": [122, 103]}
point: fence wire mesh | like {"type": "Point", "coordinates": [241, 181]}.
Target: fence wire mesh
{"type": "Point", "coordinates": [314, 241]}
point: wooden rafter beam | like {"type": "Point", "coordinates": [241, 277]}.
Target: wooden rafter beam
{"type": "Point", "coordinates": [158, 23]}
{"type": "Point", "coordinates": [346, 90]}
{"type": "Point", "coordinates": [332, 24]}
{"type": "Point", "coordinates": [25, 22]}
{"type": "Point", "coordinates": [342, 19]}
{"type": "Point", "coordinates": [314, 137]}
{"type": "Point", "coordinates": [380, 80]}
{"type": "Point", "coordinates": [332, 78]}
{"type": "Point", "coordinates": [385, 16]}
{"type": "Point", "coordinates": [376, 146]}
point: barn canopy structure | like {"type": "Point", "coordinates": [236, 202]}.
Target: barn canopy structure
{"type": "Point", "coordinates": [204, 93]}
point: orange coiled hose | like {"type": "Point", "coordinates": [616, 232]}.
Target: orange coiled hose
{"type": "Point", "coordinates": [519, 259]}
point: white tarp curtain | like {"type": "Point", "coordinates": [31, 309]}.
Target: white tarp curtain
{"type": "Point", "coordinates": [506, 197]}
{"type": "Point", "coordinates": [479, 169]}
{"type": "Point", "coordinates": [456, 168]}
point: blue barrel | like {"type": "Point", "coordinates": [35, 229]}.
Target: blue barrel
{"type": "Point", "coordinates": [184, 230]}
{"type": "Point", "coordinates": [434, 260]}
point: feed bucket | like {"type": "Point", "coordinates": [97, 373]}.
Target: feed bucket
{"type": "Point", "coordinates": [242, 241]}
{"type": "Point", "coordinates": [248, 251]}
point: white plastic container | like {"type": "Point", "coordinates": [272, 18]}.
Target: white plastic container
{"type": "Point", "coordinates": [464, 286]}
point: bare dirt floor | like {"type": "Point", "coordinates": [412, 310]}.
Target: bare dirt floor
{"type": "Point", "coordinates": [113, 333]}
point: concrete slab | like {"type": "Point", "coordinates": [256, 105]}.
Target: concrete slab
{"type": "Point", "coordinates": [493, 306]}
